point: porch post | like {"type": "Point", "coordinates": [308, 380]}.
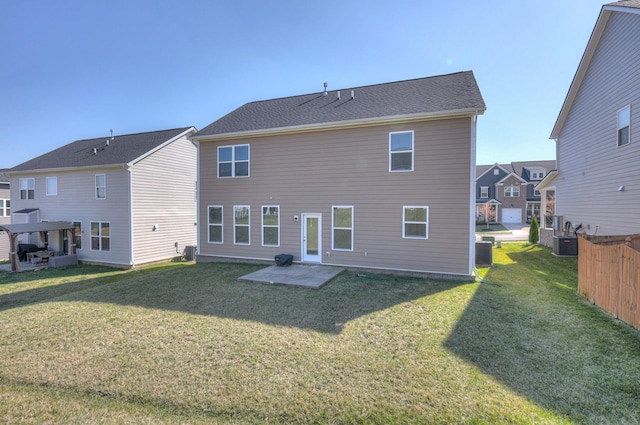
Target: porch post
{"type": "Point", "coordinates": [13, 253]}
{"type": "Point", "coordinates": [72, 244]}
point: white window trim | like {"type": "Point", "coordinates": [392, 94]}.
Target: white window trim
{"type": "Point", "coordinates": [96, 186]}
{"type": "Point", "coordinates": [81, 232]}
{"type": "Point", "coordinates": [27, 181]}
{"type": "Point", "coordinates": [484, 192]}
{"type": "Point", "coordinates": [404, 222]}
{"type": "Point", "coordinates": [269, 225]}
{"type": "Point", "coordinates": [100, 223]}
{"type": "Point", "coordinates": [209, 224]}
{"type": "Point", "coordinates": [511, 193]}
{"type": "Point", "coordinates": [233, 162]}
{"type": "Point", "coordinates": [248, 225]}
{"type": "Point", "coordinates": [628, 107]}
{"type": "Point", "coordinates": [55, 191]}
{"type": "Point", "coordinates": [496, 171]}
{"type": "Point", "coordinates": [333, 227]}
{"type": "Point", "coordinates": [413, 151]}
{"type": "Point", "coordinates": [4, 208]}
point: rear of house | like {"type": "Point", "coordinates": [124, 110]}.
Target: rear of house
{"type": "Point", "coordinates": [597, 137]}
{"type": "Point", "coordinates": [376, 177]}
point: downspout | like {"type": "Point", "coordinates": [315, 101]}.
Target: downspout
{"type": "Point", "coordinates": [130, 206]}
{"type": "Point", "coordinates": [198, 197]}
{"type": "Point", "coordinates": [472, 197]}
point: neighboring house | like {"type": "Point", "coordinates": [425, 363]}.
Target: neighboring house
{"type": "Point", "coordinates": [597, 132]}
{"type": "Point", "coordinates": [5, 214]}
{"type": "Point", "coordinates": [507, 193]}
{"type": "Point", "coordinates": [377, 177]}
{"type": "Point", "coordinates": [130, 197]}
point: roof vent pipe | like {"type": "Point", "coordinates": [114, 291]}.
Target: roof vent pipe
{"type": "Point", "coordinates": [95, 151]}
{"type": "Point", "coordinates": [338, 94]}
{"type": "Point", "coordinates": [108, 142]}
{"type": "Point", "coordinates": [325, 89]}
{"type": "Point", "coordinates": [353, 94]}
{"type": "Point", "coordinates": [111, 133]}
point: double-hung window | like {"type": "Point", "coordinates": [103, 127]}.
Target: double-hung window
{"type": "Point", "coordinates": [233, 161]}
{"type": "Point", "coordinates": [401, 151]}
{"type": "Point", "coordinates": [5, 207]}
{"type": "Point", "coordinates": [271, 226]}
{"type": "Point", "coordinates": [415, 222]}
{"type": "Point", "coordinates": [241, 225]}
{"type": "Point", "coordinates": [100, 236]}
{"type": "Point", "coordinates": [624, 125]}
{"type": "Point", "coordinates": [484, 191]}
{"type": "Point", "coordinates": [512, 191]}
{"type": "Point", "coordinates": [215, 224]}
{"type": "Point", "coordinates": [101, 186]}
{"type": "Point", "coordinates": [342, 231]}
{"type": "Point", "coordinates": [27, 188]}
{"type": "Point", "coordinates": [52, 186]}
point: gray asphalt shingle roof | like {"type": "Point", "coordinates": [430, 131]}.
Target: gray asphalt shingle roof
{"type": "Point", "coordinates": [626, 3]}
{"type": "Point", "coordinates": [444, 93]}
{"type": "Point", "coordinates": [121, 150]}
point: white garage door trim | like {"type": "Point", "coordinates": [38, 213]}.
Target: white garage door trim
{"type": "Point", "coordinates": [512, 215]}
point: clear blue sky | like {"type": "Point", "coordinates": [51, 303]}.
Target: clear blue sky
{"type": "Point", "coordinates": [73, 70]}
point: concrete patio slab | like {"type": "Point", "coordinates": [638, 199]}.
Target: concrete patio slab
{"type": "Point", "coordinates": [304, 276]}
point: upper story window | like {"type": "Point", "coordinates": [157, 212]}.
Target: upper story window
{"type": "Point", "coordinates": [52, 186]}
{"type": "Point", "coordinates": [484, 191]}
{"type": "Point", "coordinates": [101, 186]}
{"type": "Point", "coordinates": [624, 124]}
{"type": "Point", "coordinates": [27, 188]}
{"type": "Point", "coordinates": [5, 207]}
{"type": "Point", "coordinates": [512, 191]}
{"type": "Point", "coordinates": [537, 175]}
{"type": "Point", "coordinates": [233, 161]}
{"type": "Point", "coordinates": [401, 151]}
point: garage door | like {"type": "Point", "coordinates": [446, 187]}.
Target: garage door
{"type": "Point", "coordinates": [512, 215]}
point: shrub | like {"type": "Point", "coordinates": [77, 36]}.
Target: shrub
{"type": "Point", "coordinates": [534, 234]}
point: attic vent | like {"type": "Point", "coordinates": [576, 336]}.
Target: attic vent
{"type": "Point", "coordinates": [325, 89]}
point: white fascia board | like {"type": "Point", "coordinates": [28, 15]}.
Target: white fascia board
{"type": "Point", "coordinates": [53, 170]}
{"type": "Point", "coordinates": [596, 34]}
{"type": "Point", "coordinates": [340, 125]}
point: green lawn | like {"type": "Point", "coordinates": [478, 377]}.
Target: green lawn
{"type": "Point", "coordinates": [187, 343]}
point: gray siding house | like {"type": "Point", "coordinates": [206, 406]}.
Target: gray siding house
{"type": "Point", "coordinates": [507, 193]}
{"type": "Point", "coordinates": [5, 214]}
{"type": "Point", "coordinates": [374, 177]}
{"type": "Point", "coordinates": [132, 198]}
{"type": "Point", "coordinates": [597, 132]}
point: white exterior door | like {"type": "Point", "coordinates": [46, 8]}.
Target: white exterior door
{"type": "Point", "coordinates": [512, 215]}
{"type": "Point", "coordinates": [312, 238]}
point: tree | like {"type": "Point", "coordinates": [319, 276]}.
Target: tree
{"type": "Point", "coordinates": [534, 235]}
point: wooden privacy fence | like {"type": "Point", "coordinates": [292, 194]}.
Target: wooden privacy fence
{"type": "Point", "coordinates": [609, 275]}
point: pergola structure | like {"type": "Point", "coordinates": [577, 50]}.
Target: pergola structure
{"type": "Point", "coordinates": [13, 230]}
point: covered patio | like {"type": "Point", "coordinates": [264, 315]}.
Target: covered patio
{"type": "Point", "coordinates": [14, 230]}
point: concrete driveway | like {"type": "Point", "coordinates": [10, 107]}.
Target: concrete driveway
{"type": "Point", "coordinates": [519, 232]}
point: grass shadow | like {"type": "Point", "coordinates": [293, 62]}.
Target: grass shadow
{"type": "Point", "coordinates": [213, 290]}
{"type": "Point", "coordinates": [530, 330]}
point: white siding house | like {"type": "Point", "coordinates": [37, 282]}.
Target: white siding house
{"type": "Point", "coordinates": [597, 132]}
{"type": "Point", "coordinates": [131, 197]}
{"type": "Point", "coordinates": [5, 214]}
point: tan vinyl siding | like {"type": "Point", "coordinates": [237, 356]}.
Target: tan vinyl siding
{"type": "Point", "coordinates": [76, 201]}
{"type": "Point", "coordinates": [164, 195]}
{"type": "Point", "coordinates": [311, 172]}
{"type": "Point", "coordinates": [591, 165]}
